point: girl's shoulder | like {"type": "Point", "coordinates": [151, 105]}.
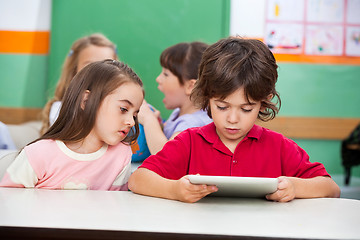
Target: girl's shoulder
{"type": "Point", "coordinates": [42, 149]}
{"type": "Point", "coordinates": [121, 152]}
{"type": "Point", "coordinates": [120, 148]}
{"type": "Point", "coordinates": [196, 119]}
{"type": "Point", "coordinates": [202, 117]}
{"type": "Point", "coordinates": [43, 143]}
{"type": "Point", "coordinates": [174, 115]}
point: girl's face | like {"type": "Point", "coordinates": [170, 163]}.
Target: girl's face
{"type": "Point", "coordinates": [94, 53]}
{"type": "Point", "coordinates": [116, 113]}
{"type": "Point", "coordinates": [233, 117]}
{"type": "Point", "coordinates": [169, 84]}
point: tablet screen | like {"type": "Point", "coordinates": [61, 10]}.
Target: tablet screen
{"type": "Point", "coordinates": [237, 186]}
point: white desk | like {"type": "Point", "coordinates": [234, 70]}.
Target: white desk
{"type": "Point", "coordinates": [33, 213]}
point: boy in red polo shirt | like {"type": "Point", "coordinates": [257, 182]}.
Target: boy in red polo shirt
{"type": "Point", "coordinates": [236, 86]}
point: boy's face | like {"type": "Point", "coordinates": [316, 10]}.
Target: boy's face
{"type": "Point", "coordinates": [174, 93]}
{"type": "Point", "coordinates": [233, 117]}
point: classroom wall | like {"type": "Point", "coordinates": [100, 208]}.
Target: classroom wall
{"type": "Point", "coordinates": [306, 89]}
{"type": "Point", "coordinates": [24, 45]}
{"type": "Point", "coordinates": [141, 29]}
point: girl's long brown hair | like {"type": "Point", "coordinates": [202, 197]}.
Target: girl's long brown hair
{"type": "Point", "coordinates": [69, 70]}
{"type": "Point", "coordinates": [100, 79]}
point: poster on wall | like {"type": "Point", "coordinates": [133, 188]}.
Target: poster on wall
{"type": "Point", "coordinates": [353, 30]}
{"type": "Point", "coordinates": [324, 40]}
{"type": "Point", "coordinates": [353, 41]}
{"type": "Point", "coordinates": [313, 28]}
{"type": "Point", "coordinates": [284, 29]}
{"type": "Point", "coordinates": [285, 37]}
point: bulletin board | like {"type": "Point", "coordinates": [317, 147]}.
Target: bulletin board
{"type": "Point", "coordinates": [314, 31]}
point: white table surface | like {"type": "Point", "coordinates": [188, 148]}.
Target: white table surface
{"type": "Point", "coordinates": [124, 211]}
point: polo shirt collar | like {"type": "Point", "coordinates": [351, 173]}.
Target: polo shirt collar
{"type": "Point", "coordinates": [255, 132]}
{"type": "Point", "coordinates": [208, 132]}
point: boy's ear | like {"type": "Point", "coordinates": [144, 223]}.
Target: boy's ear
{"type": "Point", "coordinates": [84, 99]}
{"type": "Point", "coordinates": [269, 97]}
{"type": "Point", "coordinates": [189, 86]}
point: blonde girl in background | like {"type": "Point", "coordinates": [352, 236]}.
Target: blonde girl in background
{"type": "Point", "coordinates": [88, 146]}
{"type": "Point", "coordinates": [88, 49]}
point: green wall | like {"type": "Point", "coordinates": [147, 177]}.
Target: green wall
{"type": "Point", "coordinates": [317, 90]}
{"type": "Point", "coordinates": [141, 29]}
{"type": "Point", "coordinates": [23, 78]}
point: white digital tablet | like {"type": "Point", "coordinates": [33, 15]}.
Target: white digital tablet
{"type": "Point", "coordinates": [254, 187]}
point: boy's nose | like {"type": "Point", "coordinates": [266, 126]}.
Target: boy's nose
{"type": "Point", "coordinates": [233, 116]}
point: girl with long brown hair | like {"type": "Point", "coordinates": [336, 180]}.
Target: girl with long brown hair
{"type": "Point", "coordinates": [88, 146]}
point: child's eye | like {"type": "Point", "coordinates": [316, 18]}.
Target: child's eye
{"type": "Point", "coordinates": [246, 110]}
{"type": "Point", "coordinates": [221, 108]}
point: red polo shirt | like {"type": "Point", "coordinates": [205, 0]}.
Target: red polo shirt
{"type": "Point", "coordinates": [262, 153]}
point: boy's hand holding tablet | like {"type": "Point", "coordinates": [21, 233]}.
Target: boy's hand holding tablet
{"type": "Point", "coordinates": [188, 192]}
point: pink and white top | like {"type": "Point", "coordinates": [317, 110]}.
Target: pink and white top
{"type": "Point", "coordinates": [51, 164]}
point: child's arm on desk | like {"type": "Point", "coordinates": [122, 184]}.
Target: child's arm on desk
{"type": "Point", "coordinates": [147, 182]}
{"type": "Point", "coordinates": [292, 187]}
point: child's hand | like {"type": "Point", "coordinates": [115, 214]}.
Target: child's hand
{"type": "Point", "coordinates": [146, 112]}
{"type": "Point", "coordinates": [285, 191]}
{"type": "Point", "coordinates": [188, 192]}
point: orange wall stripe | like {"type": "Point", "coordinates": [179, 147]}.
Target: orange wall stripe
{"type": "Point", "coordinates": [317, 59]}
{"type": "Point", "coordinates": [24, 42]}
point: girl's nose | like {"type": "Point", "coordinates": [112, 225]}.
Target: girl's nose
{"type": "Point", "coordinates": [130, 121]}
